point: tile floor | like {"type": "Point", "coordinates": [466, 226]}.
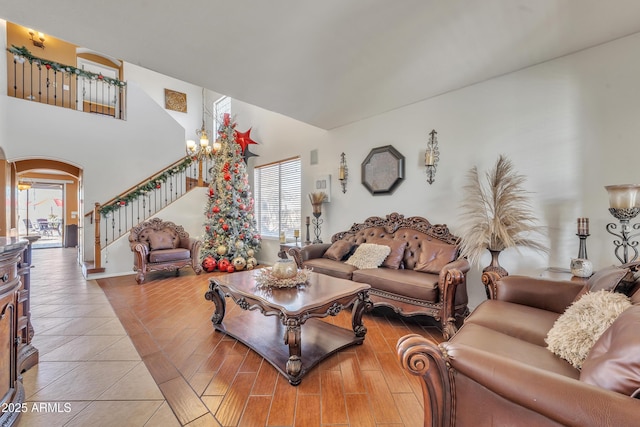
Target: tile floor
{"type": "Point", "coordinates": [89, 372]}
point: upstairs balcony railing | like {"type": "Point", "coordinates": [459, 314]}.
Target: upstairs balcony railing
{"type": "Point", "coordinates": [116, 217]}
{"type": "Point", "coordinates": [49, 82]}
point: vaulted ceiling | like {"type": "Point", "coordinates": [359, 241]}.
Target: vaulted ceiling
{"type": "Point", "coordinates": [331, 62]}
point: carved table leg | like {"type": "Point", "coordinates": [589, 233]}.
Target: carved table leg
{"type": "Point", "coordinates": [362, 305]}
{"type": "Point", "coordinates": [216, 295]}
{"type": "Point", "coordinates": [292, 338]}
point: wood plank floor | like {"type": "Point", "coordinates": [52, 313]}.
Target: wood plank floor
{"type": "Point", "coordinates": [210, 379]}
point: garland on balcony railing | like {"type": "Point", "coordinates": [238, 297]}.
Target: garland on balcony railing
{"type": "Point", "coordinates": [141, 190]}
{"type": "Point", "coordinates": [21, 54]}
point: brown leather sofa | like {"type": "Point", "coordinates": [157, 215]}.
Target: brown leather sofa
{"type": "Point", "coordinates": [497, 370]}
{"type": "Point", "coordinates": [423, 274]}
{"type": "Point", "coordinates": [162, 245]}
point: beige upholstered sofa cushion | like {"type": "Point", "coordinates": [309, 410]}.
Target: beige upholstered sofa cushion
{"type": "Point", "coordinates": [582, 323]}
{"type": "Point", "coordinates": [369, 255]}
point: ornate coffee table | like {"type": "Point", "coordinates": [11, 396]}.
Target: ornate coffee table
{"type": "Point", "coordinates": [291, 308]}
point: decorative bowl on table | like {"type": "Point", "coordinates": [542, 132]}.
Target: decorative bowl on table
{"type": "Point", "coordinates": [283, 274]}
{"type": "Point", "coordinates": [284, 269]}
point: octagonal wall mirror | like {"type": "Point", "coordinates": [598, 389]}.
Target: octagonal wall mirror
{"type": "Point", "coordinates": [383, 170]}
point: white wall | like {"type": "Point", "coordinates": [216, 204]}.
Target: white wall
{"type": "Point", "coordinates": [154, 84]}
{"type": "Point", "coordinates": [569, 125]}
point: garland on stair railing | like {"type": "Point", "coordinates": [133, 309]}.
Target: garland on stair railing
{"type": "Point", "coordinates": [152, 184]}
{"type": "Point", "coordinates": [22, 54]}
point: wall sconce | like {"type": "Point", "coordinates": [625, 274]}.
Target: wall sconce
{"type": "Point", "coordinates": [431, 156]}
{"type": "Point", "coordinates": [624, 204]}
{"type": "Point", "coordinates": [40, 41]}
{"type": "Point", "coordinates": [343, 172]}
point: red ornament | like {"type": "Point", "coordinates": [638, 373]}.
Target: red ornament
{"type": "Point", "coordinates": [48, 66]}
{"type": "Point", "coordinates": [215, 209]}
{"type": "Point", "coordinates": [122, 203]}
{"type": "Point", "coordinates": [246, 225]}
{"type": "Point", "coordinates": [158, 185]}
{"type": "Point", "coordinates": [225, 227]}
{"type": "Point", "coordinates": [223, 264]}
{"type": "Point", "coordinates": [211, 192]}
{"type": "Point", "coordinates": [242, 206]}
{"type": "Point", "coordinates": [231, 269]}
{"type": "Point", "coordinates": [100, 77]}
{"type": "Point", "coordinates": [209, 264]}
{"type": "Point", "coordinates": [227, 177]}
{"type": "Point", "coordinates": [221, 220]}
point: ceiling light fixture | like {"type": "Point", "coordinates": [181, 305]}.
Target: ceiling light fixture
{"type": "Point", "coordinates": [204, 149]}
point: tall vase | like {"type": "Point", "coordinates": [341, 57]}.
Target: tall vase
{"type": "Point", "coordinates": [495, 265]}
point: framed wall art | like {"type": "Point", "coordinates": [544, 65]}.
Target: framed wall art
{"type": "Point", "coordinates": [383, 170]}
{"type": "Point", "coordinates": [175, 101]}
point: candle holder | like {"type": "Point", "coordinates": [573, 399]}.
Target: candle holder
{"type": "Point", "coordinates": [307, 241]}
{"type": "Point", "coordinates": [317, 221]}
{"type": "Point", "coordinates": [316, 202]}
{"type": "Point", "coordinates": [582, 250]}
{"type": "Point", "coordinates": [623, 206]}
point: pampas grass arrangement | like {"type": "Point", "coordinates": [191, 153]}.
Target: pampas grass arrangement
{"type": "Point", "coordinates": [496, 215]}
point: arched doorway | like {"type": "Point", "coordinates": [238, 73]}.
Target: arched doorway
{"type": "Point", "coordinates": [48, 202]}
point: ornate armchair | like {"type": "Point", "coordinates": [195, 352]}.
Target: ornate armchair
{"type": "Point", "coordinates": [162, 245]}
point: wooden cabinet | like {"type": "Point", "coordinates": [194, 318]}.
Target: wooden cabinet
{"type": "Point", "coordinates": [11, 391]}
{"type": "Point", "coordinates": [27, 353]}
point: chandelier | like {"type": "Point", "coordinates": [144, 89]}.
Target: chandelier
{"type": "Point", "coordinates": [203, 149]}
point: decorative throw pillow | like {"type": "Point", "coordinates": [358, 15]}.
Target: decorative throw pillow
{"type": "Point", "coordinates": [579, 327]}
{"type": "Point", "coordinates": [368, 255]}
{"type": "Point", "coordinates": [160, 240]}
{"type": "Point", "coordinates": [614, 361]}
{"type": "Point", "coordinates": [434, 256]}
{"type": "Point", "coordinates": [607, 278]}
{"type": "Point", "coordinates": [338, 250]}
{"type": "Point", "coordinates": [396, 254]}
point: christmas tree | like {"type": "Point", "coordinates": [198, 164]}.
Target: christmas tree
{"type": "Point", "coordinates": [231, 237]}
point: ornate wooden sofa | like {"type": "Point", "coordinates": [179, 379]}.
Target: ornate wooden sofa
{"type": "Point", "coordinates": [401, 283]}
{"type": "Point", "coordinates": [162, 245]}
{"type": "Point", "coordinates": [497, 369]}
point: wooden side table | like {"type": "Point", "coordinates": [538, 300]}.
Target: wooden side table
{"type": "Point", "coordinates": [558, 273]}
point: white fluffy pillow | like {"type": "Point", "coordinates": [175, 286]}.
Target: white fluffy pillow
{"type": "Point", "coordinates": [368, 255]}
{"type": "Point", "coordinates": [579, 327]}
